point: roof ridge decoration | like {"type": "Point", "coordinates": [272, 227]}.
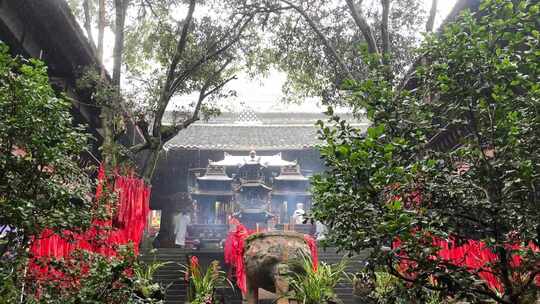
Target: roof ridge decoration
{"type": "Point", "coordinates": [247, 116]}
{"type": "Point", "coordinates": [230, 160]}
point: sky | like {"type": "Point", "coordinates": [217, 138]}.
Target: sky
{"type": "Point", "coordinates": [265, 94]}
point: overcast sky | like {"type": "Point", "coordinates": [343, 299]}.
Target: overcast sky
{"type": "Point", "coordinates": [264, 95]}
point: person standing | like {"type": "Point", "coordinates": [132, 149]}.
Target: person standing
{"type": "Point", "coordinates": [181, 221]}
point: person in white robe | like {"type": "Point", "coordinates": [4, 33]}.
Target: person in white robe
{"type": "Point", "coordinates": [299, 214]}
{"type": "Point", "coordinates": [181, 221]}
{"type": "Point", "coordinates": [320, 230]}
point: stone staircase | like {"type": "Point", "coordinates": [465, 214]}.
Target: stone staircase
{"type": "Point", "coordinates": [171, 274]}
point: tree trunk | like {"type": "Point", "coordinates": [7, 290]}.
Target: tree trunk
{"type": "Point", "coordinates": [431, 19]}
{"type": "Point", "coordinates": [121, 10]}
{"type": "Point", "coordinates": [88, 23]}
{"type": "Point", "coordinates": [364, 27]}
{"type": "Point", "coordinates": [108, 110]}
{"type": "Point", "coordinates": [108, 151]}
{"type": "Point", "coordinates": [101, 29]}
{"type": "Point", "coordinates": [385, 33]}
{"type": "Point", "coordinates": [384, 29]}
{"type": "Point", "coordinates": [151, 163]}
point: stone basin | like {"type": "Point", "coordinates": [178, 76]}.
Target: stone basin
{"type": "Point", "coordinates": [271, 257]}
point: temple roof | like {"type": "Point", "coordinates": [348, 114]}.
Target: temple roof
{"type": "Point", "coordinates": [266, 131]}
{"type": "Point", "coordinates": [291, 173]}
{"type": "Point", "coordinates": [215, 178]}
{"type": "Point", "coordinates": [240, 160]}
{"type": "Point", "coordinates": [215, 173]}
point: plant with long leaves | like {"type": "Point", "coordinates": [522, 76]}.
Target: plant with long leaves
{"type": "Point", "coordinates": [202, 287]}
{"type": "Point", "coordinates": [315, 285]}
{"type": "Point", "coordinates": [145, 286]}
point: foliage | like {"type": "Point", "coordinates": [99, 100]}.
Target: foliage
{"type": "Point", "coordinates": [166, 57]}
{"type": "Point", "coordinates": [87, 277]}
{"type": "Point", "coordinates": [84, 277]}
{"type": "Point", "coordinates": [44, 185]}
{"type": "Point", "coordinates": [453, 156]}
{"type": "Point", "coordinates": [42, 180]}
{"type": "Point", "coordinates": [144, 273]}
{"type": "Point", "coordinates": [389, 289]}
{"type": "Point", "coordinates": [104, 95]}
{"type": "Point", "coordinates": [316, 285]}
{"type": "Point", "coordinates": [298, 50]}
{"type": "Point", "coordinates": [203, 285]}
{"type": "Point", "coordinates": [151, 43]}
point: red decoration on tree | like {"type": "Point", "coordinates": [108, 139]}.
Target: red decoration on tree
{"type": "Point", "coordinates": [473, 255]}
{"type": "Point", "coordinates": [104, 236]}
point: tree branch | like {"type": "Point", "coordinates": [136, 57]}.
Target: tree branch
{"type": "Point", "coordinates": [364, 27]}
{"type": "Point", "coordinates": [169, 82]}
{"type": "Point", "coordinates": [221, 85]}
{"type": "Point", "coordinates": [322, 37]}
{"type": "Point", "coordinates": [257, 9]}
{"type": "Point", "coordinates": [431, 19]}
{"type": "Point", "coordinates": [183, 76]}
{"type": "Point", "coordinates": [139, 147]}
{"type": "Point", "coordinates": [101, 31]}
{"type": "Point", "coordinates": [181, 46]}
{"type": "Point", "coordinates": [203, 94]}
{"type": "Point", "coordinates": [88, 23]}
{"type": "Point", "coordinates": [384, 29]}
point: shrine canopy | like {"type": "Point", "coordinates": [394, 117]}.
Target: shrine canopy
{"type": "Point", "coordinates": [240, 160]}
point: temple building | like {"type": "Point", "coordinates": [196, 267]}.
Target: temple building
{"type": "Point", "coordinates": [254, 167]}
{"type": "Point", "coordinates": [262, 192]}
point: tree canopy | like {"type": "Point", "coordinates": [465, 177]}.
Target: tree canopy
{"type": "Point", "coordinates": [43, 183]}
{"type": "Point", "coordinates": [320, 44]}
{"type": "Point", "coordinates": [170, 49]}
{"type": "Point", "coordinates": [454, 156]}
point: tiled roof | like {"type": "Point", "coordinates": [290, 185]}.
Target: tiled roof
{"type": "Point", "coordinates": [232, 137]}
{"type": "Point", "coordinates": [276, 131]}
{"type": "Point", "coordinates": [267, 118]}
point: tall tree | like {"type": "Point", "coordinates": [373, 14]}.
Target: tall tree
{"type": "Point", "coordinates": [443, 187]}
{"type": "Point", "coordinates": [192, 56]}
{"type": "Point", "coordinates": [319, 43]}
{"type": "Point", "coordinates": [165, 58]}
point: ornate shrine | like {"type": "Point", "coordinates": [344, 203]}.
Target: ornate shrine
{"type": "Point", "coordinates": [262, 192]}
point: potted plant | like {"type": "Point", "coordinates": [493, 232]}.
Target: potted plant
{"type": "Point", "coordinates": [202, 285]}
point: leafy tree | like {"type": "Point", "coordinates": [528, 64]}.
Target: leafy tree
{"type": "Point", "coordinates": [193, 55]}
{"type": "Point", "coordinates": [42, 181]}
{"type": "Point", "coordinates": [44, 185]}
{"type": "Point", "coordinates": [319, 44]}
{"type": "Point", "coordinates": [451, 158]}
{"type": "Point", "coordinates": [165, 57]}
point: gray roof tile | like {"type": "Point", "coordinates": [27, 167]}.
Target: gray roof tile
{"type": "Point", "coordinates": [275, 131]}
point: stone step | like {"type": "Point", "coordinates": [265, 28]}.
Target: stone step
{"type": "Point", "coordinates": [171, 274]}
